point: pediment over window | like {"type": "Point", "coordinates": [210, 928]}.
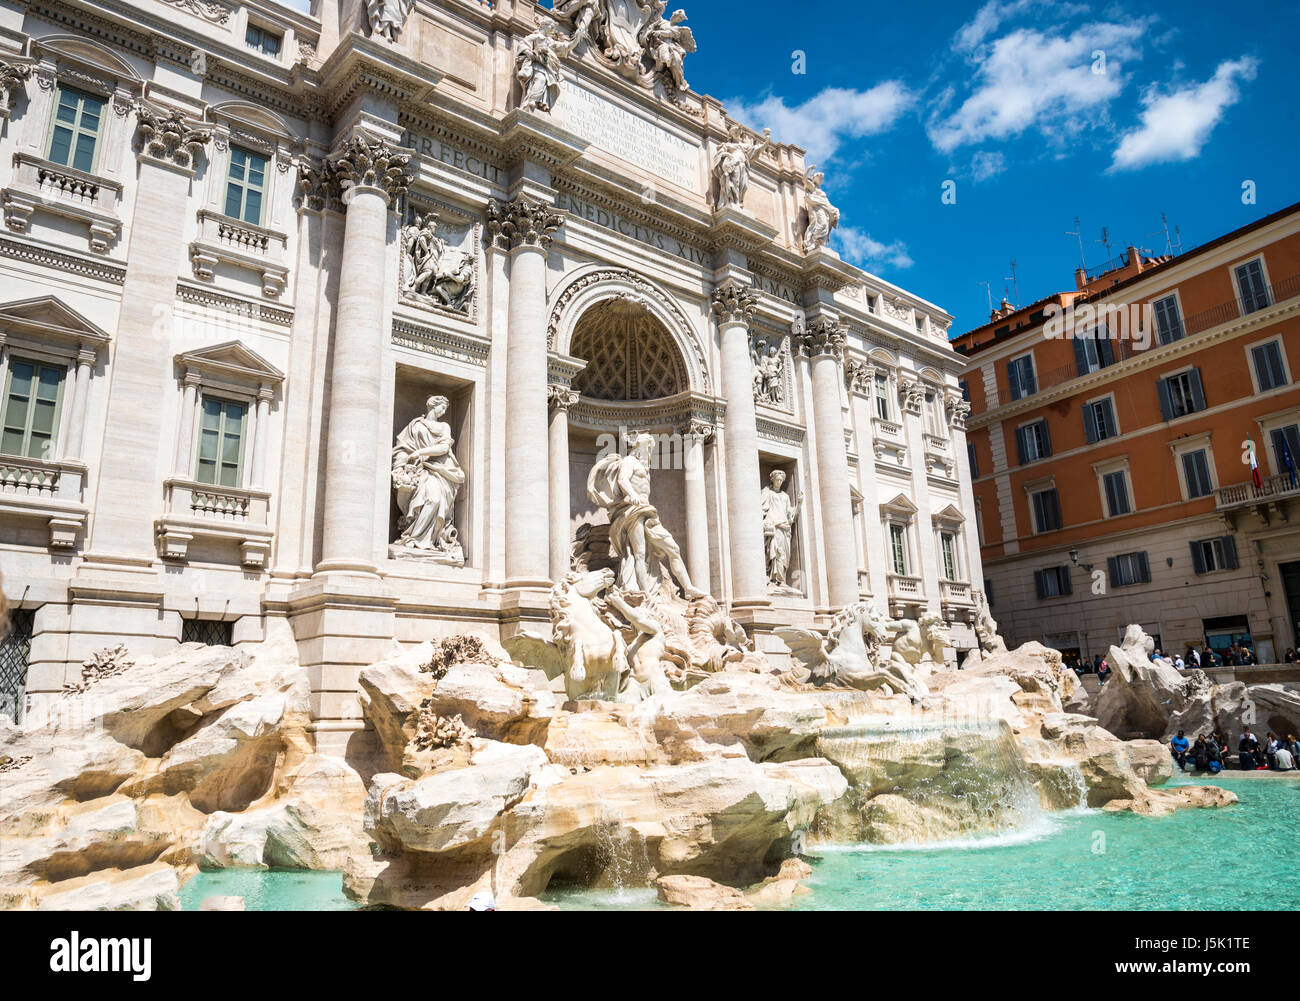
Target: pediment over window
{"type": "Point", "coordinates": [950, 515]}
{"type": "Point", "coordinates": [899, 505]}
{"type": "Point", "coordinates": [87, 53]}
{"type": "Point", "coordinates": [52, 319]}
{"type": "Point", "coordinates": [250, 116]}
{"type": "Point", "coordinates": [232, 361]}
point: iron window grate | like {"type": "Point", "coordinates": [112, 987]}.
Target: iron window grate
{"type": "Point", "coordinates": [14, 651]}
{"type": "Point", "coordinates": [209, 632]}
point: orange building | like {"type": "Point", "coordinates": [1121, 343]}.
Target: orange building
{"type": "Point", "coordinates": [1110, 438]}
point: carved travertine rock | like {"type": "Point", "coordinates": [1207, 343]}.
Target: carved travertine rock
{"type": "Point", "coordinates": [845, 657]}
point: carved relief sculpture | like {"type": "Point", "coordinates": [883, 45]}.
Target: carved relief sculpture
{"type": "Point", "coordinates": [731, 165]}
{"type": "Point", "coordinates": [911, 394]}
{"type": "Point", "coordinates": [537, 68]}
{"type": "Point", "coordinates": [845, 658]}
{"type": "Point", "coordinates": [917, 645]}
{"type": "Point", "coordinates": [13, 77]}
{"type": "Point", "coordinates": [822, 215]}
{"type": "Point", "coordinates": [432, 270]}
{"type": "Point", "coordinates": [427, 479]}
{"type": "Point", "coordinates": [388, 17]}
{"type": "Point", "coordinates": [637, 538]}
{"type": "Point", "coordinates": [170, 137]}
{"type": "Point", "coordinates": [768, 372]}
{"type": "Point", "coordinates": [779, 514]}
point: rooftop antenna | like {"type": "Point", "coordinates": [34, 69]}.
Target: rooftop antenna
{"type": "Point", "coordinates": [1014, 285]}
{"type": "Point", "coordinates": [1174, 245]}
{"type": "Point", "coordinates": [989, 292]}
{"type": "Point", "coordinates": [1105, 241]}
{"type": "Point", "coordinates": [1078, 232]}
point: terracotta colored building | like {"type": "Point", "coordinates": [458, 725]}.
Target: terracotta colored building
{"type": "Point", "coordinates": [1110, 441]}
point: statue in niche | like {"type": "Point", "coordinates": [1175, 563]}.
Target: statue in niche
{"type": "Point", "coordinates": [822, 215]}
{"type": "Point", "coordinates": [388, 17]}
{"type": "Point", "coordinates": [731, 165]}
{"type": "Point", "coordinates": [666, 42]}
{"type": "Point", "coordinates": [621, 485]}
{"type": "Point", "coordinates": [766, 358]}
{"type": "Point", "coordinates": [537, 68]}
{"type": "Point", "coordinates": [427, 479]}
{"type": "Point", "coordinates": [433, 270]}
{"type": "Point", "coordinates": [779, 514]}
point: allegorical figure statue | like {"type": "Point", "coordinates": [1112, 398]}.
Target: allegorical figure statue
{"type": "Point", "coordinates": [388, 17]}
{"type": "Point", "coordinates": [731, 165]}
{"type": "Point", "coordinates": [666, 41]}
{"type": "Point", "coordinates": [432, 269]}
{"type": "Point", "coordinates": [537, 67]}
{"type": "Point", "coordinates": [621, 485]}
{"type": "Point", "coordinates": [779, 514]}
{"type": "Point", "coordinates": [427, 478]}
{"type": "Point", "coordinates": [822, 215]}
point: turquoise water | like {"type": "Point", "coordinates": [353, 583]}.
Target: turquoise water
{"type": "Point", "coordinates": [1239, 856]}
{"type": "Point", "coordinates": [269, 889]}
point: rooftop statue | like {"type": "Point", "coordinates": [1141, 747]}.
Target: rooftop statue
{"type": "Point", "coordinates": [537, 67]}
{"type": "Point", "coordinates": [731, 165]}
{"type": "Point", "coordinates": [822, 215]}
{"type": "Point", "coordinates": [388, 17]}
{"type": "Point", "coordinates": [666, 41]}
{"type": "Point", "coordinates": [621, 485]}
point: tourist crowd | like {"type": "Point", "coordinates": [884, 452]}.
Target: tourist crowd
{"type": "Point", "coordinates": [1210, 752]}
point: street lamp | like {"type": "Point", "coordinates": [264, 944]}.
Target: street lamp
{"type": "Point", "coordinates": [1074, 559]}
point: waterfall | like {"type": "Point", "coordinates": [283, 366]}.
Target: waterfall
{"type": "Point", "coordinates": [923, 782]}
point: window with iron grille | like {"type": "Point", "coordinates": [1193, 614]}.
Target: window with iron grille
{"type": "Point", "coordinates": [14, 650]}
{"type": "Point", "coordinates": [209, 632]}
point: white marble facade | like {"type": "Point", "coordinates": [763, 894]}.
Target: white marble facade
{"type": "Point", "coordinates": [511, 286]}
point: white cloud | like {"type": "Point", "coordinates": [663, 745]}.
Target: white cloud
{"type": "Point", "coordinates": [1045, 79]}
{"type": "Point", "coordinates": [986, 163]}
{"type": "Point", "coordinates": [861, 249]}
{"type": "Point", "coordinates": [1176, 125]}
{"type": "Point", "coordinates": [823, 122]}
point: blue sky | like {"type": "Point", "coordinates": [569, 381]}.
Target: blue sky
{"type": "Point", "coordinates": [1012, 102]}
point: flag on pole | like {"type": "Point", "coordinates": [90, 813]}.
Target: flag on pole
{"type": "Point", "coordinates": [1288, 460]}
{"type": "Point", "coordinates": [1254, 469]}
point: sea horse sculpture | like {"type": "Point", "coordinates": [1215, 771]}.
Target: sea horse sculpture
{"type": "Point", "coordinates": [844, 657]}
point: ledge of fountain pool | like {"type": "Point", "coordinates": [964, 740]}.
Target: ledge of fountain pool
{"type": "Point", "coordinates": [269, 889]}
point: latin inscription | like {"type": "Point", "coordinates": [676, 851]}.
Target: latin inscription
{"type": "Point", "coordinates": [632, 230]}
{"type": "Point", "coordinates": [436, 149]}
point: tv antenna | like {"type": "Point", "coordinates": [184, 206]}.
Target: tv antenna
{"type": "Point", "coordinates": [988, 290]}
{"type": "Point", "coordinates": [1078, 232]}
{"type": "Point", "coordinates": [1174, 244]}
{"type": "Point", "coordinates": [1105, 241]}
{"type": "Point", "coordinates": [1014, 285]}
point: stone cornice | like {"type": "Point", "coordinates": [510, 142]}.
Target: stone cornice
{"type": "Point", "coordinates": [734, 303]}
{"type": "Point", "coordinates": [522, 223]}
{"type": "Point", "coordinates": [61, 260]}
{"type": "Point", "coordinates": [460, 346]}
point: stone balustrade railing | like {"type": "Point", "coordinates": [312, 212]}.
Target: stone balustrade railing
{"type": "Point", "coordinates": [222, 239]}
{"type": "Point", "coordinates": [936, 444]}
{"type": "Point", "coordinates": [887, 429]}
{"type": "Point", "coordinates": [904, 586]}
{"type": "Point", "coordinates": [1246, 494]}
{"type": "Point", "coordinates": [201, 510]}
{"type": "Point", "coordinates": [956, 592]}
{"type": "Point", "coordinates": [30, 478]}
{"type": "Point", "coordinates": [40, 184]}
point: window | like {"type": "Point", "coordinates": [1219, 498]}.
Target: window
{"type": "Point", "coordinates": [1093, 351]}
{"type": "Point", "coordinates": [1196, 474]}
{"type": "Point", "coordinates": [1129, 569]}
{"type": "Point", "coordinates": [15, 652]}
{"type": "Point", "coordinates": [970, 458]}
{"type": "Point", "coordinates": [948, 543]}
{"type": "Point", "coordinates": [1020, 377]}
{"type": "Point", "coordinates": [898, 548]}
{"type": "Point", "coordinates": [1267, 359]}
{"type": "Point", "coordinates": [1250, 283]}
{"type": "Point", "coordinates": [263, 40]}
{"type": "Point", "coordinates": [1033, 442]}
{"type": "Point", "coordinates": [209, 632]}
{"type": "Point", "coordinates": [1169, 322]}
{"type": "Point", "coordinates": [31, 414]}
{"type": "Point", "coordinates": [221, 442]}
{"type": "Point", "coordinates": [1180, 394]}
{"type": "Point", "coordinates": [1099, 420]}
{"type": "Point", "coordinates": [1052, 582]}
{"type": "Point", "coordinates": [77, 119]}
{"type": "Point", "coordinates": [1047, 510]}
{"type": "Point", "coordinates": [245, 186]}
{"type": "Point", "coordinates": [882, 396]}
{"type": "Point", "coordinates": [1209, 555]}
{"type": "Point", "coordinates": [988, 590]}
{"type": "Point", "coordinates": [1116, 487]}
{"type": "Point", "coordinates": [965, 389]}
{"type": "Point", "coordinates": [934, 422]}
{"type": "Point", "coordinates": [1286, 440]}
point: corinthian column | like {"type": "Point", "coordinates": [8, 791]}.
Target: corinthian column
{"type": "Point", "coordinates": [561, 398]}
{"type": "Point", "coordinates": [371, 175]}
{"type": "Point", "coordinates": [697, 506]}
{"type": "Point", "coordinates": [733, 305]}
{"type": "Point", "coordinates": [823, 343]}
{"type": "Point", "coordinates": [524, 227]}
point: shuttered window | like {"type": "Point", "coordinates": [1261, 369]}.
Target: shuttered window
{"type": "Point", "coordinates": [1128, 569]}
{"type": "Point", "coordinates": [1169, 324]}
{"type": "Point", "coordinates": [970, 457]}
{"type": "Point", "coordinates": [1209, 555]}
{"type": "Point", "coordinates": [1116, 487]}
{"type": "Point", "coordinates": [1093, 351]}
{"type": "Point", "coordinates": [1286, 440]}
{"type": "Point", "coordinates": [1099, 420]}
{"type": "Point", "coordinates": [1052, 582]}
{"type": "Point", "coordinates": [1180, 394]}
{"type": "Point", "coordinates": [1020, 377]}
{"type": "Point", "coordinates": [1047, 510]}
{"type": "Point", "coordinates": [1196, 471]}
{"type": "Point", "coordinates": [1033, 442]}
{"type": "Point", "coordinates": [1269, 372]}
{"type": "Point", "coordinates": [1250, 283]}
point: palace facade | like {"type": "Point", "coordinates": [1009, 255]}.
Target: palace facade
{"type": "Point", "coordinates": [321, 323]}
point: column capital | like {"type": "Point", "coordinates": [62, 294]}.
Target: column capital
{"type": "Point", "coordinates": [318, 186]}
{"type": "Point", "coordinates": [957, 408]}
{"type": "Point", "coordinates": [522, 222]}
{"type": "Point", "coordinates": [371, 163]}
{"type": "Point", "coordinates": [560, 397]}
{"type": "Point", "coordinates": [911, 393]}
{"type": "Point", "coordinates": [859, 376]}
{"type": "Point", "coordinates": [820, 337]}
{"type": "Point", "coordinates": [734, 302]}
{"type": "Point", "coordinates": [169, 138]}
{"type": "Point", "coordinates": [699, 430]}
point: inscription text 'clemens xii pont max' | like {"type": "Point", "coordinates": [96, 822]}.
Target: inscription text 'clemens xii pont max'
{"type": "Point", "coordinates": [618, 131]}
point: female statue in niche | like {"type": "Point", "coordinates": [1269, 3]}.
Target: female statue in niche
{"type": "Point", "coordinates": [779, 514]}
{"type": "Point", "coordinates": [427, 478]}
